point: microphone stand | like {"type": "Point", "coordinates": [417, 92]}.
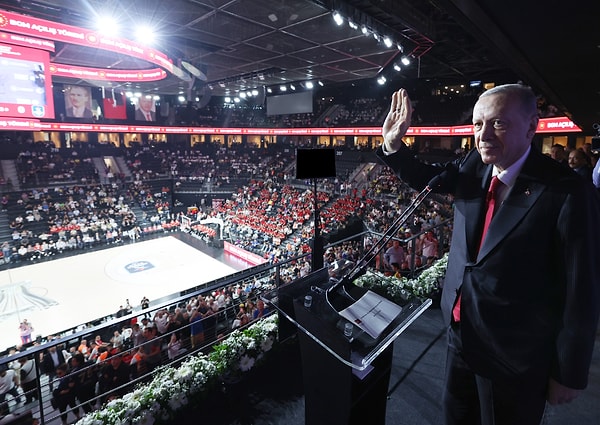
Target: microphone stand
{"type": "Point", "coordinates": [361, 265]}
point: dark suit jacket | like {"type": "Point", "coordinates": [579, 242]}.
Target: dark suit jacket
{"type": "Point", "coordinates": [531, 296]}
{"type": "Point", "coordinates": [48, 366]}
{"type": "Point", "coordinates": [139, 115]}
{"type": "Point", "coordinates": [87, 113]}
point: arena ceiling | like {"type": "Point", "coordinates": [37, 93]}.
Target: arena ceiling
{"type": "Point", "coordinates": [241, 44]}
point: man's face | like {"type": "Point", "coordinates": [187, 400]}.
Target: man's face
{"type": "Point", "coordinates": [78, 97]}
{"type": "Point", "coordinates": [145, 104]}
{"type": "Point", "coordinates": [576, 159]}
{"type": "Point", "coordinates": [557, 153]}
{"type": "Point", "coordinates": [503, 131]}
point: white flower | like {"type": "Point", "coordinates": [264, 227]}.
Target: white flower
{"type": "Point", "coordinates": [171, 388]}
{"type": "Point", "coordinates": [246, 363]}
{"type": "Point", "coordinates": [266, 344]}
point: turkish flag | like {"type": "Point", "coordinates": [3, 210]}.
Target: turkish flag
{"type": "Point", "coordinates": [114, 106]}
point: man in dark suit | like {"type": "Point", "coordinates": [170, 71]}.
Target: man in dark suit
{"type": "Point", "coordinates": [79, 102]}
{"type": "Point", "coordinates": [51, 359]}
{"type": "Point", "coordinates": [521, 303]}
{"type": "Point", "coordinates": [145, 109]}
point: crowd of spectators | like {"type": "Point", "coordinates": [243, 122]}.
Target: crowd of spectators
{"type": "Point", "coordinates": [80, 376]}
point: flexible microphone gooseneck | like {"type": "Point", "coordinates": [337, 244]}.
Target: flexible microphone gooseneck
{"type": "Point", "coordinates": [361, 265]}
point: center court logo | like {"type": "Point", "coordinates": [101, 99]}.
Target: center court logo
{"type": "Point", "coordinates": [139, 266]}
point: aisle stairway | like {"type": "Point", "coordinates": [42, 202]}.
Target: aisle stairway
{"type": "Point", "coordinates": [9, 172]}
{"type": "Point", "coordinates": [5, 231]}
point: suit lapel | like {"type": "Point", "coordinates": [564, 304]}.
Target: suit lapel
{"type": "Point", "coordinates": [525, 192]}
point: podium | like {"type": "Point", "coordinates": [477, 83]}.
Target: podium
{"type": "Point", "coordinates": [346, 378]}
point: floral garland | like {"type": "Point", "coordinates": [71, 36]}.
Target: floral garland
{"type": "Point", "coordinates": [399, 290]}
{"type": "Point", "coordinates": [173, 387]}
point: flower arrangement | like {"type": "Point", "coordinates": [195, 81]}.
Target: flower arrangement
{"type": "Point", "coordinates": [173, 387]}
{"type": "Point", "coordinates": [399, 290]}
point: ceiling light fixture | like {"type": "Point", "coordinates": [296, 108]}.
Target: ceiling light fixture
{"type": "Point", "coordinates": [338, 18]}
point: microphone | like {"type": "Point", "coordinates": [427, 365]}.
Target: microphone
{"type": "Point", "coordinates": [449, 173]}
{"type": "Point", "coordinates": [362, 264]}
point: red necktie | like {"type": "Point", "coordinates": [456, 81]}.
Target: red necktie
{"type": "Point", "coordinates": [491, 207]}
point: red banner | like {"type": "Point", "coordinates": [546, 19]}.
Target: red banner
{"type": "Point", "coordinates": [114, 106]}
{"type": "Point", "coordinates": [27, 25]}
{"type": "Point", "coordinates": [21, 40]}
{"type": "Point", "coordinates": [546, 125]}
{"type": "Point", "coordinates": [71, 71]}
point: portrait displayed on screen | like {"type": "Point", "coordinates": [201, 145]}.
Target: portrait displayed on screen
{"type": "Point", "coordinates": [145, 109]}
{"type": "Point", "coordinates": [78, 102]}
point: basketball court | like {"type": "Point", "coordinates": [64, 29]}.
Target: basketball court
{"type": "Point", "coordinates": [66, 292]}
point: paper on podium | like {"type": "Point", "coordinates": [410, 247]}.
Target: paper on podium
{"type": "Point", "coordinates": [372, 313]}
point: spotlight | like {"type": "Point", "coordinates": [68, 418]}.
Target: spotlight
{"type": "Point", "coordinates": [364, 29]}
{"type": "Point", "coordinates": [405, 60]}
{"type": "Point", "coordinates": [108, 25]}
{"type": "Point", "coordinates": [381, 80]}
{"type": "Point", "coordinates": [309, 85]}
{"type": "Point", "coordinates": [388, 42]}
{"type": "Point", "coordinates": [397, 67]}
{"type": "Point", "coordinates": [352, 24]}
{"type": "Point", "coordinates": [282, 88]}
{"type": "Point", "coordinates": [338, 18]}
{"type": "Point", "coordinates": [145, 34]}
{"type": "Point", "coordinates": [320, 83]}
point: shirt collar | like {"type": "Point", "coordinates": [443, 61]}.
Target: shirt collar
{"type": "Point", "coordinates": [509, 175]}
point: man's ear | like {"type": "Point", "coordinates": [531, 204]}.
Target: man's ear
{"type": "Point", "coordinates": [533, 124]}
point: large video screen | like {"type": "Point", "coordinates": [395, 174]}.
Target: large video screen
{"type": "Point", "coordinates": [25, 86]}
{"type": "Point", "coordinates": [296, 103]}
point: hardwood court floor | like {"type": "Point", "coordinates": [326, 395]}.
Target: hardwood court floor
{"type": "Point", "coordinates": [66, 292]}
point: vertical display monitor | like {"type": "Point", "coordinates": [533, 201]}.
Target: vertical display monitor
{"type": "Point", "coordinates": [315, 163]}
{"type": "Point", "coordinates": [25, 84]}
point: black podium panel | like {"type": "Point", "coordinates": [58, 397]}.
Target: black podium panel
{"type": "Point", "coordinates": [346, 378]}
{"type": "Point", "coordinates": [334, 394]}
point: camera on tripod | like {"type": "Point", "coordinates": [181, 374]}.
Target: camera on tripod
{"type": "Point", "coordinates": [596, 139]}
